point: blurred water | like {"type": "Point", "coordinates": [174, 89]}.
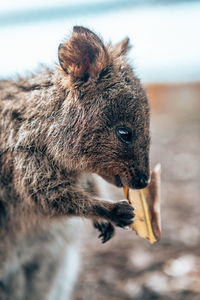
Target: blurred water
{"type": "Point", "coordinates": [165, 37]}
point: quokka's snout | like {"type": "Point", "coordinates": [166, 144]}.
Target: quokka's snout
{"type": "Point", "coordinates": [140, 181]}
{"type": "Point", "coordinates": [136, 181]}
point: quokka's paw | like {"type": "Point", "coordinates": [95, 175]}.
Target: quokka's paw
{"type": "Point", "coordinates": [122, 214]}
{"type": "Point", "coordinates": [106, 230]}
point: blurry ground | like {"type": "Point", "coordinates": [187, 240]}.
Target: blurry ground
{"type": "Point", "coordinates": [128, 267]}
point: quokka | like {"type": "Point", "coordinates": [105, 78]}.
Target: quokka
{"type": "Point", "coordinates": [89, 114]}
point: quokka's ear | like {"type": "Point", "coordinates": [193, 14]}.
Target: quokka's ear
{"type": "Point", "coordinates": [122, 48]}
{"type": "Point", "coordinates": [84, 55]}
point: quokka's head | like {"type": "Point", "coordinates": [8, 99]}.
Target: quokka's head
{"type": "Point", "coordinates": [107, 127]}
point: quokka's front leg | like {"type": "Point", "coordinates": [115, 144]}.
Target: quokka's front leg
{"type": "Point", "coordinates": [56, 194]}
{"type": "Point", "coordinates": [71, 202]}
{"type": "Point", "coordinates": [77, 203]}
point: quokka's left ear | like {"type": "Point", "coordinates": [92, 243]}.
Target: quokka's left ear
{"type": "Point", "coordinates": [84, 55]}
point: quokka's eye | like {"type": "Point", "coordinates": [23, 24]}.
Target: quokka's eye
{"type": "Point", "coordinates": [124, 134]}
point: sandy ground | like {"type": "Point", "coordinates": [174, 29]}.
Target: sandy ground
{"type": "Point", "coordinates": [128, 267]}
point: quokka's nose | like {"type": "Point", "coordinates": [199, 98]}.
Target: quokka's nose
{"type": "Point", "coordinates": [142, 182]}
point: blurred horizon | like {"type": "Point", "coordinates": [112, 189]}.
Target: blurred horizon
{"type": "Point", "coordinates": [163, 34]}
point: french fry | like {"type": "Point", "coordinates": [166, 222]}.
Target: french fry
{"type": "Point", "coordinates": [146, 202]}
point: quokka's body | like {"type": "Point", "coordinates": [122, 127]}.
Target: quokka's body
{"type": "Point", "coordinates": [88, 115]}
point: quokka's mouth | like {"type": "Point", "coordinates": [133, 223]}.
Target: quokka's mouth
{"type": "Point", "coordinates": [118, 181]}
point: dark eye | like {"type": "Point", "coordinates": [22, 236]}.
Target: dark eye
{"type": "Point", "coordinates": [124, 134]}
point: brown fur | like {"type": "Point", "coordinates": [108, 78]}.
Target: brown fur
{"type": "Point", "coordinates": [58, 125]}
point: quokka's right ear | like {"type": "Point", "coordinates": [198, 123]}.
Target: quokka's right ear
{"type": "Point", "coordinates": [83, 56]}
{"type": "Point", "coordinates": [122, 48]}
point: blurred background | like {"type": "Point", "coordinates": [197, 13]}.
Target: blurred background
{"type": "Point", "coordinates": [164, 34]}
{"type": "Point", "coordinates": [166, 56]}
